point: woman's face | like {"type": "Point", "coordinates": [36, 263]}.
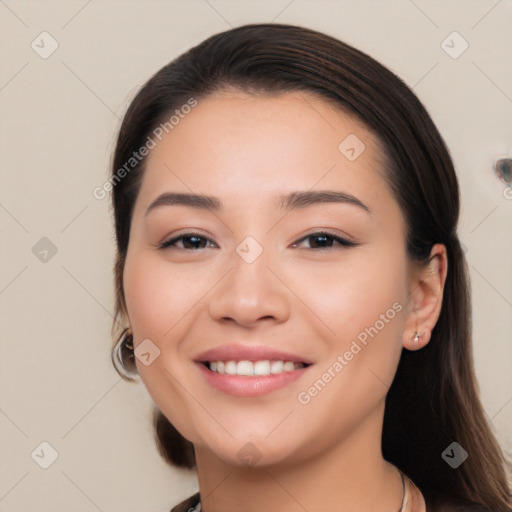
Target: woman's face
{"type": "Point", "coordinates": [260, 276]}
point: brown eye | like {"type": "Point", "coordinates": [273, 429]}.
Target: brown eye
{"type": "Point", "coordinates": [189, 241]}
{"type": "Point", "coordinates": [324, 240]}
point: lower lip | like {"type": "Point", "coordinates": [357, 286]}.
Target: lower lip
{"type": "Point", "coordinates": [238, 385]}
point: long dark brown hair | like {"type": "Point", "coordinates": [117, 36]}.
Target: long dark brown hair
{"type": "Point", "coordinates": [433, 400]}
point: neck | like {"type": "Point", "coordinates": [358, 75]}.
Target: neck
{"type": "Point", "coordinates": [351, 475]}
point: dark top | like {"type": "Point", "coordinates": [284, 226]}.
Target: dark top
{"type": "Point", "coordinates": [188, 504]}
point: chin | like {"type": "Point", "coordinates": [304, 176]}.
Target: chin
{"type": "Point", "coordinates": [254, 451]}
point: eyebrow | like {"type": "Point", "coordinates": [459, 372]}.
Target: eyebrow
{"type": "Point", "coordinates": [291, 201]}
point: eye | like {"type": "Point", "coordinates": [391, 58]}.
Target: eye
{"type": "Point", "coordinates": [189, 241]}
{"type": "Point", "coordinates": [195, 241]}
{"type": "Point", "coordinates": [325, 240]}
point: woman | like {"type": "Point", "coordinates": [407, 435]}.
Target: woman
{"type": "Point", "coordinates": [290, 284]}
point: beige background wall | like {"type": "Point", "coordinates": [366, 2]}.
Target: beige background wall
{"type": "Point", "coordinates": [59, 118]}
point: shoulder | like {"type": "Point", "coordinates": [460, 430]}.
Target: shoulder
{"type": "Point", "coordinates": [188, 505]}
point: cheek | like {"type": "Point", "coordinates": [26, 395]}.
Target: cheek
{"type": "Point", "coordinates": [352, 293]}
{"type": "Point", "coordinates": [159, 300]}
{"type": "Point", "coordinates": [363, 302]}
{"type": "Point", "coordinates": [158, 295]}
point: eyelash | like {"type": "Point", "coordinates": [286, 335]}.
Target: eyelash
{"type": "Point", "coordinates": [343, 242]}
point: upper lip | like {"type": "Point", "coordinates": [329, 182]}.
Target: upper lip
{"type": "Point", "coordinates": [253, 353]}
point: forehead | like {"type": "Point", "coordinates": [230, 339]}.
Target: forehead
{"type": "Point", "coordinates": [236, 144]}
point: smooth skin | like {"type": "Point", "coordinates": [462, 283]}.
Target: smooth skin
{"type": "Point", "coordinates": [304, 294]}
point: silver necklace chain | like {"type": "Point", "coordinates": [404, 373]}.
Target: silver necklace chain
{"type": "Point", "coordinates": [403, 492]}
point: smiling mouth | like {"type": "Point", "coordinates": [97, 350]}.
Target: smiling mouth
{"type": "Point", "coordinates": [261, 368]}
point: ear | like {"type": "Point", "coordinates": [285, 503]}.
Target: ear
{"type": "Point", "coordinates": [426, 286]}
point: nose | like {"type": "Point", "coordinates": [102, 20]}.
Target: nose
{"type": "Point", "coordinates": [250, 294]}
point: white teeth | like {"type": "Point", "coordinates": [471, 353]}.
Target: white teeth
{"type": "Point", "coordinates": [230, 367]}
{"type": "Point", "coordinates": [289, 366]}
{"type": "Point", "coordinates": [276, 367]}
{"type": "Point", "coordinates": [249, 368]}
{"type": "Point", "coordinates": [262, 368]}
{"type": "Point", "coordinates": [244, 368]}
